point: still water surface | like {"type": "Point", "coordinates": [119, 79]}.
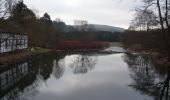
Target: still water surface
{"type": "Point", "coordinates": [85, 77]}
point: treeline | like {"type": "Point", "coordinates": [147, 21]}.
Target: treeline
{"type": "Point", "coordinates": [20, 19]}
{"type": "Point", "coordinates": [142, 40]}
{"type": "Point", "coordinates": [15, 16]}
{"type": "Point", "coordinates": [150, 28]}
{"type": "Point", "coordinates": [90, 36]}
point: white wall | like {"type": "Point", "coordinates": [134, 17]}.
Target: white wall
{"type": "Point", "coordinates": [12, 42]}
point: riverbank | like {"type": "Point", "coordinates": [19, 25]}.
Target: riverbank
{"type": "Point", "coordinates": [152, 43]}
{"type": "Point", "coordinates": [21, 56]}
{"type": "Point", "coordinates": [63, 47]}
{"type": "Point", "coordinates": [72, 45]}
{"type": "Point", "coordinates": [158, 57]}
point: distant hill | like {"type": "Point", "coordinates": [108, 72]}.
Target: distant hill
{"type": "Point", "coordinates": [106, 28]}
{"type": "Point", "coordinates": [96, 27]}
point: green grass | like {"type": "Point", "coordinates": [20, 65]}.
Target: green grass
{"type": "Point", "coordinates": [39, 50]}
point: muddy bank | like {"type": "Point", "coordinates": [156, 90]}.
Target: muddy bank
{"type": "Point", "coordinates": [26, 55]}
{"type": "Point", "coordinates": [19, 57]}
{"type": "Point", "coordinates": [158, 57]}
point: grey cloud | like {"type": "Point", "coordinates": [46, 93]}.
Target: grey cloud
{"type": "Point", "coordinates": [108, 12]}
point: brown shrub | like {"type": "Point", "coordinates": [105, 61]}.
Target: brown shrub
{"type": "Point", "coordinates": [78, 45]}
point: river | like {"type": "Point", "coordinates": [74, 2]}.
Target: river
{"type": "Point", "coordinates": [85, 76]}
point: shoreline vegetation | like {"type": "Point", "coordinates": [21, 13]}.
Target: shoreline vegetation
{"type": "Point", "coordinates": [149, 31]}
{"type": "Point", "coordinates": [63, 46]}
{"type": "Point", "coordinates": [151, 43]}
{"type": "Point", "coordinates": [80, 45]}
{"type": "Point", "coordinates": [158, 56]}
{"type": "Point", "coordinates": [16, 57]}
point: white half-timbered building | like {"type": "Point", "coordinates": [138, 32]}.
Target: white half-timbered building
{"type": "Point", "coordinates": [12, 41]}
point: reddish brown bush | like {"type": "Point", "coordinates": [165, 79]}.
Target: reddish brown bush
{"type": "Point", "coordinates": [79, 45]}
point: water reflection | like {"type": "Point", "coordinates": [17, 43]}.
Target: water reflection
{"type": "Point", "coordinates": [83, 63]}
{"type": "Point", "coordinates": [10, 86]}
{"type": "Point", "coordinates": [20, 82]}
{"type": "Point", "coordinates": [58, 68]}
{"type": "Point", "coordinates": [146, 77]}
{"type": "Point", "coordinates": [67, 77]}
{"type": "Point", "coordinates": [13, 75]}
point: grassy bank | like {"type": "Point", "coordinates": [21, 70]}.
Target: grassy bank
{"type": "Point", "coordinates": [21, 56]}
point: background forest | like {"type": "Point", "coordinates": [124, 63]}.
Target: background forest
{"type": "Point", "coordinates": [16, 17]}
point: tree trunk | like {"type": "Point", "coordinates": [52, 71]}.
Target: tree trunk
{"type": "Point", "coordinates": [167, 11]}
{"type": "Point", "coordinates": [166, 15]}
{"type": "Point", "coordinates": [166, 36]}
{"type": "Point", "coordinates": [160, 16]}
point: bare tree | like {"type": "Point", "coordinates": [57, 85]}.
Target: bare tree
{"type": "Point", "coordinates": [144, 20]}
{"type": "Point", "coordinates": [162, 13]}
{"type": "Point", "coordinates": [6, 7]}
{"type": "Point", "coordinates": [81, 25]}
{"type": "Point", "coordinates": [132, 27]}
{"type": "Point", "coordinates": [167, 14]}
{"type": "Point", "coordinates": [166, 35]}
{"type": "Point", "coordinates": [2, 9]}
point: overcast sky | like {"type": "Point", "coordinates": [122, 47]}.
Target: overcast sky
{"type": "Point", "coordinates": [107, 12]}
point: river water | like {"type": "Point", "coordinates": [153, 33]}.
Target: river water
{"type": "Point", "coordinates": [87, 76]}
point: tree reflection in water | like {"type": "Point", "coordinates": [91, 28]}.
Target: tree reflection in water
{"type": "Point", "coordinates": [58, 68]}
{"type": "Point", "coordinates": [83, 63]}
{"type": "Point", "coordinates": [146, 78]}
{"type": "Point", "coordinates": [27, 77]}
{"type": "Point", "coordinates": [36, 72]}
